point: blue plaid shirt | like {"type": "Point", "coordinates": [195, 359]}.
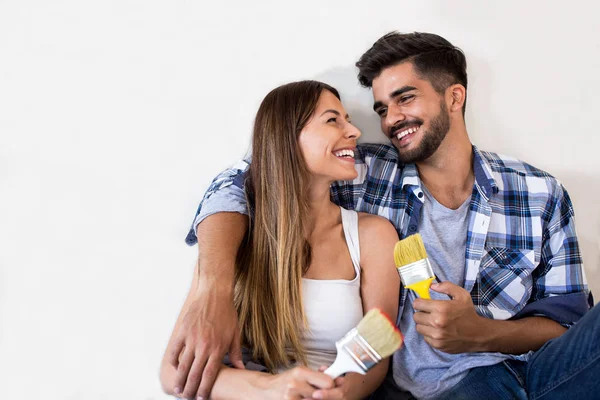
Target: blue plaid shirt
{"type": "Point", "coordinates": [522, 254]}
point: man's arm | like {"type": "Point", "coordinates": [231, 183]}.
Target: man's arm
{"type": "Point", "coordinates": [453, 326]}
{"type": "Point", "coordinates": [560, 289]}
{"type": "Point", "coordinates": [558, 299]}
{"type": "Point", "coordinates": [207, 325]}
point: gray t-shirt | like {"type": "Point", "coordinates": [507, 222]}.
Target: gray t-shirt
{"type": "Point", "coordinates": [417, 367]}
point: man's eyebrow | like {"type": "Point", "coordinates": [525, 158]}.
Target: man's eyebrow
{"type": "Point", "coordinates": [334, 112]}
{"type": "Point", "coordinates": [394, 94]}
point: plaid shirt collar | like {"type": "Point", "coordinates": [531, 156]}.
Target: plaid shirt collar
{"type": "Point", "coordinates": [484, 179]}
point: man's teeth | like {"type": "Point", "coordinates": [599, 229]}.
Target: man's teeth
{"type": "Point", "coordinates": [405, 132]}
{"type": "Point", "coordinates": [344, 153]}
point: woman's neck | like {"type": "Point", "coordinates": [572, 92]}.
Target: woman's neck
{"type": "Point", "coordinates": [321, 211]}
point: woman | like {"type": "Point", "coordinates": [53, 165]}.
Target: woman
{"type": "Point", "coordinates": [309, 269]}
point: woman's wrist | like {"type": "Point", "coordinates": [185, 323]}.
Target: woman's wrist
{"type": "Point", "coordinates": [261, 386]}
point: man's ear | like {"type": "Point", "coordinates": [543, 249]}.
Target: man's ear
{"type": "Point", "coordinates": [457, 95]}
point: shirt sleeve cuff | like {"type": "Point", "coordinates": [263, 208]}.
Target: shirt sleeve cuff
{"type": "Point", "coordinates": [564, 309]}
{"type": "Point", "coordinates": [218, 202]}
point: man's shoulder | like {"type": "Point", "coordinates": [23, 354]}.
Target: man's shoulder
{"type": "Point", "coordinates": [502, 164]}
{"type": "Point", "coordinates": [379, 151]}
{"type": "Point", "coordinates": [512, 174]}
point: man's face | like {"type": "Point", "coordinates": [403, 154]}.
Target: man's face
{"type": "Point", "coordinates": [413, 115]}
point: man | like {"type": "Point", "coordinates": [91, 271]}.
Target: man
{"type": "Point", "coordinates": [499, 232]}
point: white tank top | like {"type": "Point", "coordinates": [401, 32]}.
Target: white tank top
{"type": "Point", "coordinates": [332, 307]}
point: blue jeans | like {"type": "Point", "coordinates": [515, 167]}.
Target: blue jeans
{"type": "Point", "coordinates": [567, 367]}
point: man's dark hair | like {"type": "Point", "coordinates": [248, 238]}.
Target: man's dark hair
{"type": "Point", "coordinates": [433, 57]}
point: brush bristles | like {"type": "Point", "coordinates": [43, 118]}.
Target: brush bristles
{"type": "Point", "coordinates": [380, 332]}
{"type": "Point", "coordinates": [409, 250]}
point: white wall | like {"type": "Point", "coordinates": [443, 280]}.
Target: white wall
{"type": "Point", "coordinates": [115, 115]}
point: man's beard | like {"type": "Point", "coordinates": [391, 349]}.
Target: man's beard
{"type": "Point", "coordinates": [431, 140]}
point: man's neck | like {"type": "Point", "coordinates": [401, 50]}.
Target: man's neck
{"type": "Point", "coordinates": [448, 173]}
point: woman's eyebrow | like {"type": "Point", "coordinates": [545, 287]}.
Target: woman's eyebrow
{"type": "Point", "coordinates": [331, 111]}
{"type": "Point", "coordinates": [334, 112]}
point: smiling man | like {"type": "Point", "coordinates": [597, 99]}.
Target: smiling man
{"type": "Point", "coordinates": [512, 297]}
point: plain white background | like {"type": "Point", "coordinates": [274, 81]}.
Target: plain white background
{"type": "Point", "coordinates": [115, 116]}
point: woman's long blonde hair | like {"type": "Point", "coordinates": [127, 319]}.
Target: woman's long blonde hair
{"type": "Point", "coordinates": [276, 252]}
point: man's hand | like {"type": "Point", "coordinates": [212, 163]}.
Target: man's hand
{"type": "Point", "coordinates": [452, 326]}
{"type": "Point", "coordinates": [207, 332]}
{"type": "Point", "coordinates": [207, 326]}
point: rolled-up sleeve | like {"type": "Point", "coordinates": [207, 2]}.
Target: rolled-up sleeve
{"type": "Point", "coordinates": [225, 194]}
{"type": "Point", "coordinates": [560, 289]}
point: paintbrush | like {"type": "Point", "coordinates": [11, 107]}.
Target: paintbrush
{"type": "Point", "coordinates": [374, 338]}
{"type": "Point", "coordinates": [413, 265]}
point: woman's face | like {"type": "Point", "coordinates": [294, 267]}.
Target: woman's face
{"type": "Point", "coordinates": [328, 141]}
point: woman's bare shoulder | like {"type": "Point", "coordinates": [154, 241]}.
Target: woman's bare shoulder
{"type": "Point", "coordinates": [374, 229]}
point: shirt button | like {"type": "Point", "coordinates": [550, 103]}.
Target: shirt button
{"type": "Point", "coordinates": [420, 195]}
{"type": "Point", "coordinates": [412, 228]}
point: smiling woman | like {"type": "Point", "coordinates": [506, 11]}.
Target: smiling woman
{"type": "Point", "coordinates": [308, 270]}
{"type": "Point", "coordinates": [329, 138]}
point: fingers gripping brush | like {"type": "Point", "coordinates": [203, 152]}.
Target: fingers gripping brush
{"type": "Point", "coordinates": [413, 265]}
{"type": "Point", "coordinates": [374, 338]}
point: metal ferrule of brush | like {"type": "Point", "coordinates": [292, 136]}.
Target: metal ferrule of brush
{"type": "Point", "coordinates": [415, 272]}
{"type": "Point", "coordinates": [360, 351]}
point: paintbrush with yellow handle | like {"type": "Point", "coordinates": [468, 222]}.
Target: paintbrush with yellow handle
{"type": "Point", "coordinates": [374, 338]}
{"type": "Point", "coordinates": [413, 265]}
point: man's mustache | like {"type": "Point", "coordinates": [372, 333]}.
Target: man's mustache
{"type": "Point", "coordinates": [404, 124]}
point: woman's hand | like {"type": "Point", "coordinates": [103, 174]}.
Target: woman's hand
{"type": "Point", "coordinates": [301, 383]}
{"type": "Point", "coordinates": [337, 393]}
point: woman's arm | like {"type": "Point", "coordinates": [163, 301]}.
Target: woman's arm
{"type": "Point", "coordinates": [229, 381]}
{"type": "Point", "coordinates": [233, 384]}
{"type": "Point", "coordinates": [380, 288]}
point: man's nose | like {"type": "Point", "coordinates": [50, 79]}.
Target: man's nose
{"type": "Point", "coordinates": [394, 116]}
